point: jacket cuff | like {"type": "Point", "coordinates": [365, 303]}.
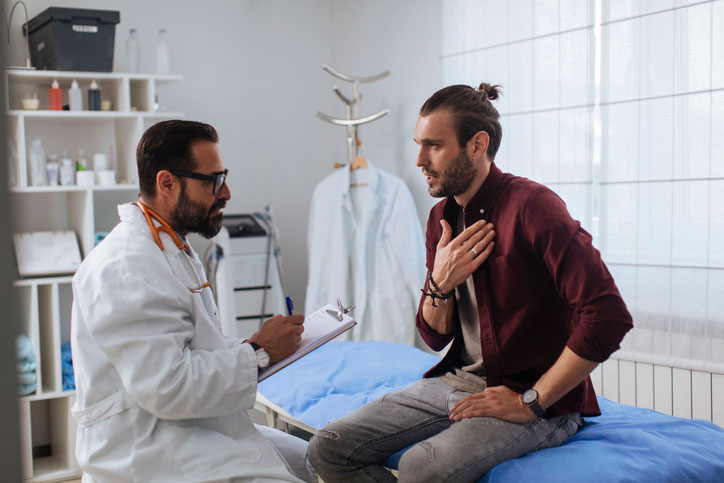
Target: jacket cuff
{"type": "Point", "coordinates": [435, 340]}
{"type": "Point", "coordinates": [597, 346]}
{"type": "Point", "coordinates": [250, 369]}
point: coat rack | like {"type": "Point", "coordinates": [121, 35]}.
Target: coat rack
{"type": "Point", "coordinates": [353, 120]}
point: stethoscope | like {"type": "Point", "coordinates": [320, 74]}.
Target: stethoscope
{"type": "Point", "coordinates": [183, 246]}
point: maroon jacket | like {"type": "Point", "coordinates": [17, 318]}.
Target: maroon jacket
{"type": "Point", "coordinates": [544, 287]}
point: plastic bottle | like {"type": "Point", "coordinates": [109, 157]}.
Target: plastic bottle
{"type": "Point", "coordinates": [81, 164]}
{"type": "Point", "coordinates": [133, 52]}
{"type": "Point", "coordinates": [12, 157]}
{"type": "Point", "coordinates": [56, 96]}
{"type": "Point", "coordinates": [53, 168]}
{"type": "Point", "coordinates": [100, 162]}
{"type": "Point", "coordinates": [163, 59]}
{"type": "Point", "coordinates": [94, 97]}
{"type": "Point", "coordinates": [67, 170]}
{"type": "Point", "coordinates": [111, 163]}
{"type": "Point", "coordinates": [75, 97]}
{"type": "Point", "coordinates": [37, 163]}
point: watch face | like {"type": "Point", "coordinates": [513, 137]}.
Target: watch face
{"type": "Point", "coordinates": [530, 396]}
{"type": "Point", "coordinates": [262, 358]}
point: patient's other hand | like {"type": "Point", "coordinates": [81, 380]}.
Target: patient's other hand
{"type": "Point", "coordinates": [280, 335]}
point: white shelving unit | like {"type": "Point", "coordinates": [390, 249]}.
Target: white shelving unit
{"type": "Point", "coordinates": [46, 426]}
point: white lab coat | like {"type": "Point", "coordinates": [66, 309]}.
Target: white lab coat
{"type": "Point", "coordinates": [161, 393]}
{"type": "Point", "coordinates": [370, 255]}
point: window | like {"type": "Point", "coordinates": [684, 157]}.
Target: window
{"type": "Point", "coordinates": [618, 106]}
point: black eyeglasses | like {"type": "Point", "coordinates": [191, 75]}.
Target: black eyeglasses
{"type": "Point", "coordinates": [218, 180]}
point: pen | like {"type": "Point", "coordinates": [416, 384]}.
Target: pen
{"type": "Point", "coordinates": [290, 306]}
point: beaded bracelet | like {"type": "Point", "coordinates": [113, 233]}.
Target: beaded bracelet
{"type": "Point", "coordinates": [440, 293]}
{"type": "Point", "coordinates": [431, 295]}
{"type": "Point", "coordinates": [436, 293]}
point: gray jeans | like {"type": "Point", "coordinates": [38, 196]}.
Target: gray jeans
{"type": "Point", "coordinates": [351, 448]}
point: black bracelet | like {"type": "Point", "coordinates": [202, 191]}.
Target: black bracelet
{"type": "Point", "coordinates": [440, 294]}
{"type": "Point", "coordinates": [431, 295]}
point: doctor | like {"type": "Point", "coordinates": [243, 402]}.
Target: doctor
{"type": "Point", "coordinates": [162, 394]}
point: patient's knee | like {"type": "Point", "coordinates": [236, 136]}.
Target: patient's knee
{"type": "Point", "coordinates": [322, 445]}
{"type": "Point", "coordinates": [419, 464]}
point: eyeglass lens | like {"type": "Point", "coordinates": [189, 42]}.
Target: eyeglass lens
{"type": "Point", "coordinates": [219, 183]}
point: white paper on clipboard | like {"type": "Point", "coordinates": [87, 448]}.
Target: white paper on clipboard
{"type": "Point", "coordinates": [319, 328]}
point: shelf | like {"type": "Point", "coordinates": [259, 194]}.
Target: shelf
{"type": "Point", "coordinates": [30, 282]}
{"type": "Point", "coordinates": [75, 188]}
{"type": "Point", "coordinates": [47, 395]}
{"type": "Point", "coordinates": [50, 189]}
{"type": "Point", "coordinates": [53, 469]}
{"type": "Point", "coordinates": [161, 115]}
{"type": "Point", "coordinates": [45, 114]}
{"type": "Point", "coordinates": [114, 187]}
{"type": "Point", "coordinates": [54, 74]}
{"type": "Point", "coordinates": [159, 78]}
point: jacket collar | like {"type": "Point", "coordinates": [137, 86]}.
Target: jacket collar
{"type": "Point", "coordinates": [373, 180]}
{"type": "Point", "coordinates": [482, 201]}
{"type": "Point", "coordinates": [373, 184]}
{"type": "Point", "coordinates": [130, 213]}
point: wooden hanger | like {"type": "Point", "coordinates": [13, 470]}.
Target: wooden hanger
{"type": "Point", "coordinates": [358, 163]}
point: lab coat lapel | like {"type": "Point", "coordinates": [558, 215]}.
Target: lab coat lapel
{"type": "Point", "coordinates": [205, 305]}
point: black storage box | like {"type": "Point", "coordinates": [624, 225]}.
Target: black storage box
{"type": "Point", "coordinates": [73, 39]}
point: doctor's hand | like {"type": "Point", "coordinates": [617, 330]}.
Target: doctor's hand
{"type": "Point", "coordinates": [457, 258]}
{"type": "Point", "coordinates": [280, 335]}
{"type": "Point", "coordinates": [497, 402]}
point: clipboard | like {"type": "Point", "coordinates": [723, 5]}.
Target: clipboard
{"type": "Point", "coordinates": [319, 328]}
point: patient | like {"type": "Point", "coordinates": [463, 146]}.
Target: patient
{"type": "Point", "coordinates": [517, 287]}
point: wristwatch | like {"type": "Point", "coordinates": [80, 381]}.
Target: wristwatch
{"type": "Point", "coordinates": [262, 357]}
{"type": "Point", "coordinates": [530, 399]}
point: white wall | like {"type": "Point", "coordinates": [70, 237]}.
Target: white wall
{"type": "Point", "coordinates": [403, 37]}
{"type": "Point", "coordinates": [252, 69]}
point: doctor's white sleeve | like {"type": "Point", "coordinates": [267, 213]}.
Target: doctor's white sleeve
{"type": "Point", "coordinates": [145, 330]}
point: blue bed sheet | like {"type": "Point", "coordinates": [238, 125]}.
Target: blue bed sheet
{"type": "Point", "coordinates": [339, 377]}
{"type": "Point", "coordinates": [625, 443]}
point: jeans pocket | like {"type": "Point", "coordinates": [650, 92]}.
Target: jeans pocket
{"type": "Point", "coordinates": [455, 397]}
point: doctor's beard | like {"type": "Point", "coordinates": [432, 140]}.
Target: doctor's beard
{"type": "Point", "coordinates": [190, 216]}
{"type": "Point", "coordinates": [456, 179]}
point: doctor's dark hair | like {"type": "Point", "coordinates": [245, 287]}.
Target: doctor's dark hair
{"type": "Point", "coordinates": [167, 145]}
{"type": "Point", "coordinates": [472, 111]}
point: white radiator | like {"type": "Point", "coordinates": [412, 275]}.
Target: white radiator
{"type": "Point", "coordinates": [680, 392]}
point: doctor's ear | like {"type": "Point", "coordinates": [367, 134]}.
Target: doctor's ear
{"type": "Point", "coordinates": [165, 182]}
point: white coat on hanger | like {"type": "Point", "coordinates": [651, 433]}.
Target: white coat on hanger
{"type": "Point", "coordinates": [371, 256]}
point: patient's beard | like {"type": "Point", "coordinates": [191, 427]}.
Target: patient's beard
{"type": "Point", "coordinates": [456, 179]}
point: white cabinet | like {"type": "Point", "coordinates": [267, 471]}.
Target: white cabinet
{"type": "Point", "coordinates": [46, 427]}
{"type": "Point", "coordinates": [256, 297]}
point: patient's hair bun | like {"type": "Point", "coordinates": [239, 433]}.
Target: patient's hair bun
{"type": "Point", "coordinates": [488, 92]}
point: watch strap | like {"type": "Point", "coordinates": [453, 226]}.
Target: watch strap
{"type": "Point", "coordinates": [539, 411]}
{"type": "Point", "coordinates": [254, 346]}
